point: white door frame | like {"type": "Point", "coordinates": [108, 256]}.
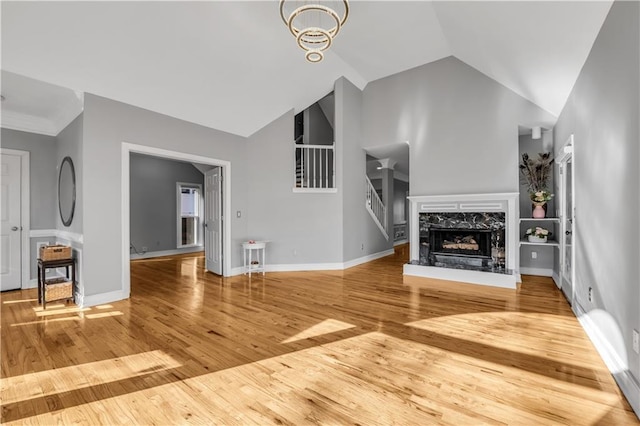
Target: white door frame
{"type": "Point", "coordinates": [25, 214]}
{"type": "Point", "coordinates": [566, 152]}
{"type": "Point", "coordinates": [127, 149]}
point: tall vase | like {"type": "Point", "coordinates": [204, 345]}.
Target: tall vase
{"type": "Point", "coordinates": [538, 211]}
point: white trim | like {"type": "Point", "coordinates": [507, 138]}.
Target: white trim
{"type": "Point", "coordinates": [316, 190]}
{"type": "Point", "coordinates": [336, 266]}
{"type": "Point", "coordinates": [619, 370]}
{"type": "Point", "coordinates": [400, 242]}
{"type": "Point", "coordinates": [67, 112]}
{"type": "Point", "coordinates": [33, 283]}
{"type": "Point", "coordinates": [368, 258]}
{"type": "Point", "coordinates": [28, 123]}
{"type": "Point", "coordinates": [297, 267]}
{"type": "Point", "coordinates": [152, 254]}
{"type": "Point", "coordinates": [127, 149]}
{"type": "Point", "coordinates": [564, 156]}
{"type": "Point", "coordinates": [461, 275]}
{"type": "Point", "coordinates": [499, 196]}
{"type": "Point", "coordinates": [25, 213]}
{"type": "Point", "coordinates": [556, 279]}
{"type": "Point", "coordinates": [541, 272]}
{"type": "Point", "coordinates": [100, 299]}
{"type": "Point", "coordinates": [57, 233]}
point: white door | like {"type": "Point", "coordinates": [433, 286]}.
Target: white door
{"type": "Point", "coordinates": [10, 249]}
{"type": "Point", "coordinates": [213, 220]}
{"type": "Point", "coordinates": [567, 238]}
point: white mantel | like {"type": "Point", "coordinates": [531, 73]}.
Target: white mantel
{"type": "Point", "coordinates": [507, 202]}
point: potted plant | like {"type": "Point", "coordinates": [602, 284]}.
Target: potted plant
{"type": "Point", "coordinates": [537, 235]}
{"type": "Point", "coordinates": [536, 174]}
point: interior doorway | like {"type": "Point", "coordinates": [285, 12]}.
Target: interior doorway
{"type": "Point", "coordinates": [224, 168]}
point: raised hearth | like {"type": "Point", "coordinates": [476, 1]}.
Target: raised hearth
{"type": "Point", "coordinates": [469, 238]}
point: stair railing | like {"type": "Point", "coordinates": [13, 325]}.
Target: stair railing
{"type": "Point", "coordinates": [314, 166]}
{"type": "Point", "coordinates": [376, 207]}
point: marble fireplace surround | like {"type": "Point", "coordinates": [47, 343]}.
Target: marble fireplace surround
{"type": "Point", "coordinates": [506, 203]}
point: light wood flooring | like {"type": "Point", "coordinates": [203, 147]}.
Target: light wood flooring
{"type": "Point", "coordinates": [360, 346]}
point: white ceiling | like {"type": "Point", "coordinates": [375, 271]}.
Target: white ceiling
{"type": "Point", "coordinates": [233, 66]}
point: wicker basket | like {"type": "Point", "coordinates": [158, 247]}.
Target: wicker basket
{"type": "Point", "coordinates": [55, 252]}
{"type": "Point", "coordinates": [58, 288]}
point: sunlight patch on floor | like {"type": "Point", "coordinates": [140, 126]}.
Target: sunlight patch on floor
{"type": "Point", "coordinates": [75, 377]}
{"type": "Point", "coordinates": [50, 311]}
{"type": "Point", "coordinates": [534, 334]}
{"type": "Point", "coordinates": [325, 327]}
{"type": "Point", "coordinates": [103, 315]}
{"type": "Point", "coordinates": [13, 302]}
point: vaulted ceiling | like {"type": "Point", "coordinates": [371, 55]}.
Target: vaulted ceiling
{"type": "Point", "coordinates": [234, 66]}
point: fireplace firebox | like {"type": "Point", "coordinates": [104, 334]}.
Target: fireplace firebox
{"type": "Point", "coordinates": [461, 242]}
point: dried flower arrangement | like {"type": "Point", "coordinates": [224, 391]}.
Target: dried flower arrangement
{"type": "Point", "coordinates": [536, 173]}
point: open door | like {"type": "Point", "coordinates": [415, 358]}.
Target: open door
{"type": "Point", "coordinates": [567, 222]}
{"type": "Point", "coordinates": [213, 220]}
{"type": "Point", "coordinates": [11, 244]}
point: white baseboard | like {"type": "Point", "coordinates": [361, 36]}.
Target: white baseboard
{"type": "Point", "coordinates": [152, 254]}
{"type": "Point", "coordinates": [32, 283]}
{"type": "Point", "coordinates": [336, 266]}
{"type": "Point", "coordinates": [400, 242]}
{"type": "Point", "coordinates": [100, 299]}
{"type": "Point", "coordinates": [556, 279]}
{"type": "Point", "coordinates": [618, 368]}
{"type": "Point", "coordinates": [236, 271]}
{"type": "Point", "coordinates": [541, 272]}
{"type": "Point", "coordinates": [368, 258]}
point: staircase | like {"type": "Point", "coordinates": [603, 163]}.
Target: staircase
{"type": "Point", "coordinates": [376, 208]}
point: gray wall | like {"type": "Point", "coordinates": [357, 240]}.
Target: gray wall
{"type": "Point", "coordinates": [455, 118]}
{"type": "Point", "coordinates": [400, 207]}
{"type": "Point", "coordinates": [301, 227]}
{"type": "Point", "coordinates": [358, 228]}
{"type": "Point", "coordinates": [43, 180]}
{"type": "Point", "coordinates": [319, 130]}
{"type": "Point", "coordinates": [107, 124]}
{"type": "Point", "coordinates": [70, 143]}
{"type": "Point", "coordinates": [602, 112]}
{"type": "Point", "coordinates": [153, 198]}
{"type": "Point", "coordinates": [43, 174]}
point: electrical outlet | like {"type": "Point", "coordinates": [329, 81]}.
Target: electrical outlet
{"type": "Point", "coordinates": [238, 214]}
{"type": "Point", "coordinates": [534, 254]}
{"type": "Point", "coordinates": [362, 246]}
{"type": "Point", "coordinates": [590, 294]}
{"type": "Point", "coordinates": [295, 252]}
{"type": "Point", "coordinates": [144, 249]}
{"type": "Point", "coordinates": [636, 342]}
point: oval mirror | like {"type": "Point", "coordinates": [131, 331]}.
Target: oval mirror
{"type": "Point", "coordinates": [67, 191]}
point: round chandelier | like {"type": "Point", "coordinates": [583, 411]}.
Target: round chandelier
{"type": "Point", "coordinates": [314, 24]}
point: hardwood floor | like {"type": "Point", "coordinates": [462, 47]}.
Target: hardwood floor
{"type": "Point", "coordinates": [358, 346]}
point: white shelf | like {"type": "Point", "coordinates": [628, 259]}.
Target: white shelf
{"type": "Point", "coordinates": [544, 219]}
{"type": "Point", "coordinates": [552, 243]}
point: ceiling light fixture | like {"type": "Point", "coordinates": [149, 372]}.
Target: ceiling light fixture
{"type": "Point", "coordinates": [314, 24]}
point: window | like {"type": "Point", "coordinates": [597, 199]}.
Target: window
{"type": "Point", "coordinates": [189, 215]}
